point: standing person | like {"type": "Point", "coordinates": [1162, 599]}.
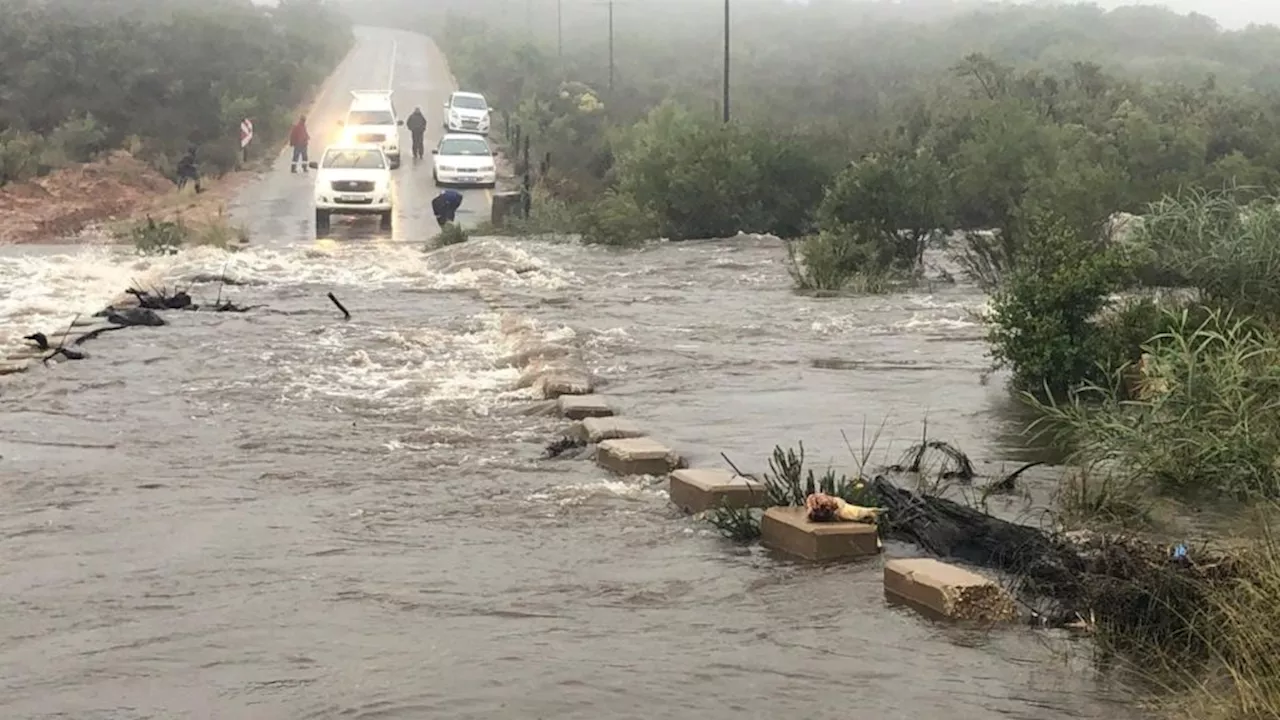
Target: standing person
{"type": "Point", "coordinates": [417, 124]}
{"type": "Point", "coordinates": [298, 139]}
{"type": "Point", "coordinates": [187, 171]}
{"type": "Point", "coordinates": [445, 206]}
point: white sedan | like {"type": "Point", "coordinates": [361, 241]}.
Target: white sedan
{"type": "Point", "coordinates": [462, 159]}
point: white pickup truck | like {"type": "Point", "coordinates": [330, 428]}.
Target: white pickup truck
{"type": "Point", "coordinates": [353, 179]}
{"type": "Point", "coordinates": [372, 119]}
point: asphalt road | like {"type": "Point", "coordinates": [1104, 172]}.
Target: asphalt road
{"type": "Point", "coordinates": [279, 208]}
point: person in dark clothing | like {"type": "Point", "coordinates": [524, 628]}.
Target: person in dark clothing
{"type": "Point", "coordinates": [298, 140]}
{"type": "Point", "coordinates": [445, 206]}
{"type": "Point", "coordinates": [187, 171]}
{"type": "Point", "coordinates": [417, 124]}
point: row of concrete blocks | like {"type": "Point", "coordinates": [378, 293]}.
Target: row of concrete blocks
{"type": "Point", "coordinates": [23, 358]}
{"type": "Point", "coordinates": [935, 588]}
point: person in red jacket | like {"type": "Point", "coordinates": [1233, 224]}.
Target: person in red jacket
{"type": "Point", "coordinates": [298, 139]}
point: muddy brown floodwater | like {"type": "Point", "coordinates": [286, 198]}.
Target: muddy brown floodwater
{"type": "Point", "coordinates": [281, 515]}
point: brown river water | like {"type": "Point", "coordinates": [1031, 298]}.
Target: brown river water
{"type": "Point", "coordinates": [281, 515]}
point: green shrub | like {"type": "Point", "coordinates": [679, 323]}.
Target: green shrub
{"type": "Point", "coordinates": [1227, 249]}
{"type": "Point", "coordinates": [1206, 417]}
{"type": "Point", "coordinates": [895, 203]}
{"type": "Point", "coordinates": [220, 233]}
{"type": "Point", "coordinates": [74, 141]}
{"type": "Point", "coordinates": [832, 261]}
{"type": "Point", "coordinates": [616, 219]}
{"type": "Point", "coordinates": [20, 154]}
{"type": "Point", "coordinates": [166, 237]}
{"type": "Point", "coordinates": [704, 179]}
{"type": "Point", "coordinates": [451, 234]}
{"type": "Point", "coordinates": [1044, 318]}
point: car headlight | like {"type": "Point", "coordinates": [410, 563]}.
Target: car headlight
{"type": "Point", "coordinates": [453, 116]}
{"type": "Point", "coordinates": [446, 168]}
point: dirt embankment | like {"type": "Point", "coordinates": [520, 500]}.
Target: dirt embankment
{"type": "Point", "coordinates": [60, 206]}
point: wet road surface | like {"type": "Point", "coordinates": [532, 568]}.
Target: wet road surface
{"type": "Point", "coordinates": [411, 65]}
{"type": "Point", "coordinates": [283, 515]}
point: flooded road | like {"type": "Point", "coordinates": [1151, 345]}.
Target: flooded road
{"type": "Point", "coordinates": [281, 515]}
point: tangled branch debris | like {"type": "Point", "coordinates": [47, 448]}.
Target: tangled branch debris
{"type": "Point", "coordinates": [1008, 483]}
{"type": "Point", "coordinates": [62, 349]}
{"type": "Point", "coordinates": [562, 445]}
{"type": "Point", "coordinates": [955, 464]}
{"type": "Point", "coordinates": [1143, 592]}
{"type": "Point", "coordinates": [162, 298]}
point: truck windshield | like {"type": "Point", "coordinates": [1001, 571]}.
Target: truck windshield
{"type": "Point", "coordinates": [353, 160]}
{"type": "Point", "coordinates": [370, 117]}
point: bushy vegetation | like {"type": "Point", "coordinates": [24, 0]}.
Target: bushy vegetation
{"type": "Point", "coordinates": [167, 237]}
{"type": "Point", "coordinates": [155, 77]}
{"type": "Point", "coordinates": [451, 234]}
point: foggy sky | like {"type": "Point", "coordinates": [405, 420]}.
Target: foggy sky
{"type": "Point", "coordinates": [1230, 14]}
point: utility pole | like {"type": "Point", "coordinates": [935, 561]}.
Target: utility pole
{"type": "Point", "coordinates": [611, 49]}
{"type": "Point", "coordinates": [725, 105]}
{"type": "Point", "coordinates": [610, 3]}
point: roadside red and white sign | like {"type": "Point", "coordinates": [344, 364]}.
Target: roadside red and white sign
{"type": "Point", "coordinates": [246, 132]}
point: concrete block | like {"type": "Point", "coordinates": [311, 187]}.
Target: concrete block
{"type": "Point", "coordinates": [946, 591]}
{"type": "Point", "coordinates": [577, 407]}
{"type": "Point", "coordinates": [12, 366]}
{"type": "Point", "coordinates": [789, 530]}
{"type": "Point", "coordinates": [565, 382]}
{"type": "Point", "coordinates": [635, 456]}
{"type": "Point", "coordinates": [599, 429]}
{"type": "Point", "coordinates": [696, 490]}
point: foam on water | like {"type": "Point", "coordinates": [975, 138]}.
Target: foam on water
{"type": "Point", "coordinates": [573, 495]}
{"type": "Point", "coordinates": [41, 292]}
{"type": "Point", "coordinates": [489, 263]}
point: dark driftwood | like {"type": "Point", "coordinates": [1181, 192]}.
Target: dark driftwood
{"type": "Point", "coordinates": [132, 317]}
{"type": "Point", "coordinates": [562, 445]}
{"type": "Point", "coordinates": [1136, 586]}
{"type": "Point", "coordinates": [161, 299]}
{"type": "Point", "coordinates": [949, 529]}
{"type": "Point", "coordinates": [345, 315]}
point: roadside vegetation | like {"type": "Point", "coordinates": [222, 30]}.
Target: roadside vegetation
{"type": "Point", "coordinates": [167, 237]}
{"type": "Point", "coordinates": [153, 78]}
{"type": "Point", "coordinates": [451, 234]}
{"type": "Point", "coordinates": [880, 139]}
